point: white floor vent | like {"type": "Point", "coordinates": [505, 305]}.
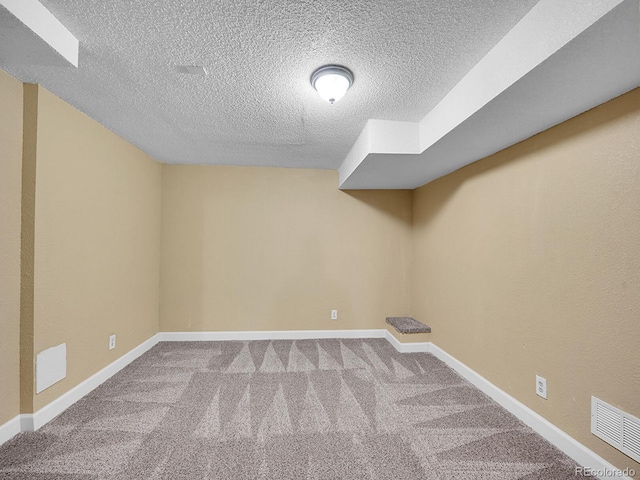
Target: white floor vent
{"type": "Point", "coordinates": [616, 427]}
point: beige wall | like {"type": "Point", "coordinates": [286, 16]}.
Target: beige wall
{"type": "Point", "coordinates": [10, 191]}
{"type": "Point", "coordinates": [27, 244]}
{"type": "Point", "coordinates": [528, 262]}
{"type": "Point", "coordinates": [276, 249]}
{"type": "Point", "coordinates": [97, 242]}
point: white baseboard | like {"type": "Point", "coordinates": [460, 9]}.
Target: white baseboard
{"type": "Point", "coordinates": [10, 429]}
{"type": "Point", "coordinates": [409, 347]}
{"type": "Point", "coordinates": [270, 335]}
{"type": "Point", "coordinates": [32, 422]}
{"type": "Point", "coordinates": [567, 444]}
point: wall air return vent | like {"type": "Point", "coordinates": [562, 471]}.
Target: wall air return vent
{"type": "Point", "coordinates": [616, 427]}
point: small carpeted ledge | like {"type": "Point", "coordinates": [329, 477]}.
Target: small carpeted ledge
{"type": "Point", "coordinates": [408, 325]}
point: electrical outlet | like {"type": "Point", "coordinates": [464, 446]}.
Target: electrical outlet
{"type": "Point", "coordinates": [112, 342]}
{"type": "Point", "coordinates": [334, 314]}
{"type": "Point", "coordinates": [541, 386]}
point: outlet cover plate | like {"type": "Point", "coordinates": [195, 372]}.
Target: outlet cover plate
{"type": "Point", "coordinates": [541, 386]}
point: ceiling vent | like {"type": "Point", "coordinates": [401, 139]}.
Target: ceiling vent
{"type": "Point", "coordinates": [616, 427]}
{"type": "Point", "coordinates": [192, 70]}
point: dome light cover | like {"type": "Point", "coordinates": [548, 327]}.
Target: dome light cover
{"type": "Point", "coordinates": [332, 82]}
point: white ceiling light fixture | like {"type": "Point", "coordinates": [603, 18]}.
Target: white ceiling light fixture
{"type": "Point", "coordinates": [332, 82]}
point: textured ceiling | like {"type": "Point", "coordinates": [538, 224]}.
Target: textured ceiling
{"type": "Point", "coordinates": [256, 106]}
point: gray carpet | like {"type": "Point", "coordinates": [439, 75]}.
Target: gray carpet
{"type": "Point", "coordinates": [408, 325]}
{"type": "Point", "coordinates": [305, 409]}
